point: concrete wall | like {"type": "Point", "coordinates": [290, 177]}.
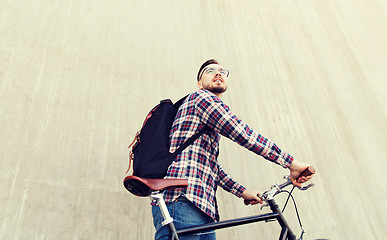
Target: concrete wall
{"type": "Point", "coordinates": [78, 77]}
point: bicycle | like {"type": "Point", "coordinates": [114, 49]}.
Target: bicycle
{"type": "Point", "coordinates": [153, 187]}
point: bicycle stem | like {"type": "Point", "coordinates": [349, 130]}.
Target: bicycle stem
{"type": "Point", "coordinates": [275, 189]}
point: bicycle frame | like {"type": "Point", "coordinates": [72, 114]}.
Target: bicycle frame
{"type": "Point", "coordinates": [268, 197]}
{"type": "Point", "coordinates": [286, 232]}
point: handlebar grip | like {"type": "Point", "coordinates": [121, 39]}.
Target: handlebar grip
{"type": "Point", "coordinates": [248, 202]}
{"type": "Point", "coordinates": [307, 172]}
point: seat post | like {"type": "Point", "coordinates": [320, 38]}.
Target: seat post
{"type": "Point", "coordinates": [168, 220]}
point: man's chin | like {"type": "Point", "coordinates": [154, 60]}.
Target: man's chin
{"type": "Point", "coordinates": [217, 90]}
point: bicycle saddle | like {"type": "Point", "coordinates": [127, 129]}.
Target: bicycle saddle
{"type": "Point", "coordinates": [142, 187]}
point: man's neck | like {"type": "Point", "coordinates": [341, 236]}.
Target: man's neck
{"type": "Point", "coordinates": [219, 95]}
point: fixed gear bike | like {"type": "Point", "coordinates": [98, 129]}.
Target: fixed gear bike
{"type": "Point", "coordinates": [153, 188]}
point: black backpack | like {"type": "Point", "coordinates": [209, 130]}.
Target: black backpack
{"type": "Point", "coordinates": [150, 147]}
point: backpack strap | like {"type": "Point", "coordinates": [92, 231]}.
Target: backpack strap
{"type": "Point", "coordinates": [189, 141]}
{"type": "Point", "coordinates": [178, 103]}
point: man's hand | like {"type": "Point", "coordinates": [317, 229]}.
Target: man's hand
{"type": "Point", "coordinates": [296, 168]}
{"type": "Point", "coordinates": [252, 196]}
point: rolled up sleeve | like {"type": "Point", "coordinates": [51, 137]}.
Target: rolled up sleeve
{"type": "Point", "coordinates": [218, 116]}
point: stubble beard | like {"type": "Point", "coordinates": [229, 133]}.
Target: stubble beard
{"type": "Point", "coordinates": [216, 89]}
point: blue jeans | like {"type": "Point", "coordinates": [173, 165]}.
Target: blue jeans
{"type": "Point", "coordinates": [184, 214]}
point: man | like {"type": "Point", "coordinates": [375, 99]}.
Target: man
{"type": "Point", "coordinates": [197, 204]}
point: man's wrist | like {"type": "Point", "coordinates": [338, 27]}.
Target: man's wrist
{"type": "Point", "coordinates": [238, 191]}
{"type": "Point", "coordinates": [288, 161]}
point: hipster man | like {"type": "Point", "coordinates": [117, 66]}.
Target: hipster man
{"type": "Point", "coordinates": [198, 163]}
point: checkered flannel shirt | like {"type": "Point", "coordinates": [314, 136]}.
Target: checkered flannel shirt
{"type": "Point", "coordinates": [198, 163]}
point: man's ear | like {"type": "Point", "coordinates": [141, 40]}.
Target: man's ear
{"type": "Point", "coordinates": [200, 85]}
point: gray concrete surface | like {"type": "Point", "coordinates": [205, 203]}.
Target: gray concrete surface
{"type": "Point", "coordinates": [78, 77]}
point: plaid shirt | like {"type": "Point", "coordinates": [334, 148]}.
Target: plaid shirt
{"type": "Point", "coordinates": [198, 163]}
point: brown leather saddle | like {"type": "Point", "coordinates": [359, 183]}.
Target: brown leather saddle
{"type": "Point", "coordinates": [143, 187]}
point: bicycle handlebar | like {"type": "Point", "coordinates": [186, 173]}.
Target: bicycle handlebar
{"type": "Point", "coordinates": [307, 172]}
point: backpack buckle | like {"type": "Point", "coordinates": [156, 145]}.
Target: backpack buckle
{"type": "Point", "coordinates": [136, 139]}
{"type": "Point", "coordinates": [134, 143]}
